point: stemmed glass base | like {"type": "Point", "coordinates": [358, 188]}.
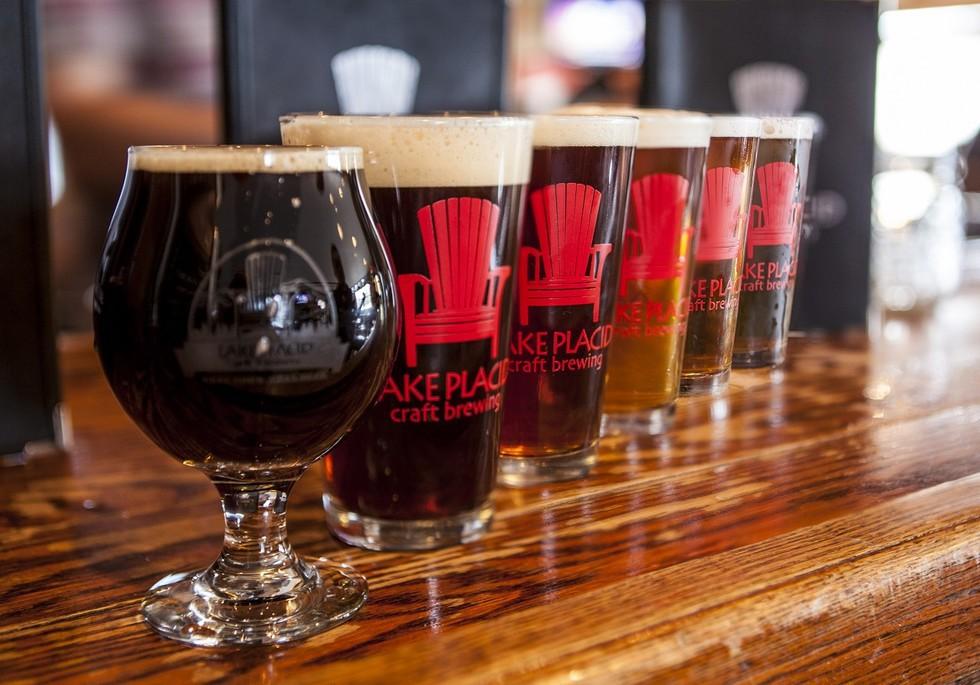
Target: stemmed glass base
{"type": "Point", "coordinates": [258, 591]}
{"type": "Point", "coordinates": [183, 607]}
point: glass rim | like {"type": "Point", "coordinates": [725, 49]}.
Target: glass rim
{"type": "Point", "coordinates": [786, 127]}
{"type": "Point", "coordinates": [658, 127]}
{"type": "Point", "coordinates": [585, 130]}
{"type": "Point", "coordinates": [584, 116]}
{"type": "Point", "coordinates": [727, 125]}
{"type": "Point", "coordinates": [636, 111]}
{"type": "Point", "coordinates": [446, 119]}
{"type": "Point", "coordinates": [244, 158]}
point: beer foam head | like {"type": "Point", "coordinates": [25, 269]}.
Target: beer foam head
{"type": "Point", "coordinates": [785, 128]}
{"type": "Point", "coordinates": [659, 128]}
{"type": "Point", "coordinates": [725, 126]}
{"type": "Point", "coordinates": [425, 151]}
{"type": "Point", "coordinates": [584, 130]}
{"type": "Point", "coordinates": [269, 159]}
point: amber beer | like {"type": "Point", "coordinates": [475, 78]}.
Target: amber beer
{"type": "Point", "coordinates": [713, 303]}
{"type": "Point", "coordinates": [643, 375]}
{"type": "Point", "coordinates": [566, 280]}
{"type": "Point", "coordinates": [417, 470]}
{"type": "Point", "coordinates": [772, 242]}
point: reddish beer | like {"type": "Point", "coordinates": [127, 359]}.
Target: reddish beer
{"type": "Point", "coordinates": [566, 280]}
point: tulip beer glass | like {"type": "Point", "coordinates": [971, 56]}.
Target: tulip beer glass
{"type": "Point", "coordinates": [244, 317]}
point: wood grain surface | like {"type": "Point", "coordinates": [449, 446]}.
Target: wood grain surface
{"type": "Point", "coordinates": [816, 524]}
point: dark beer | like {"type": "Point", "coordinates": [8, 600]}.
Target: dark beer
{"type": "Point", "coordinates": [713, 303]}
{"type": "Point", "coordinates": [651, 307]}
{"type": "Point", "coordinates": [260, 304]}
{"type": "Point", "coordinates": [418, 469]}
{"type": "Point", "coordinates": [428, 448]}
{"type": "Point", "coordinates": [245, 316]}
{"type": "Point", "coordinates": [772, 242]}
{"type": "Point", "coordinates": [566, 281]}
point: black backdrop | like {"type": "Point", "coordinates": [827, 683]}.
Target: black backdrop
{"type": "Point", "coordinates": [28, 377]}
{"type": "Point", "coordinates": [276, 55]}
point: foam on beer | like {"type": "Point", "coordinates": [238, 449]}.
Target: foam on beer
{"type": "Point", "coordinates": [724, 126]}
{"type": "Point", "coordinates": [659, 128]}
{"type": "Point", "coordinates": [425, 151]}
{"type": "Point", "coordinates": [786, 128]}
{"type": "Point", "coordinates": [582, 130]}
{"type": "Point", "coordinates": [243, 159]}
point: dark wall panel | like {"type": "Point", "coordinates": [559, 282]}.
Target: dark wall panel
{"type": "Point", "coordinates": [28, 378]}
{"type": "Point", "coordinates": [277, 55]}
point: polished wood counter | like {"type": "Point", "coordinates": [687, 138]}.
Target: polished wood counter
{"type": "Point", "coordinates": [819, 524]}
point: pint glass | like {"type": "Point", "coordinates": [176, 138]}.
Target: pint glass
{"type": "Point", "coordinates": [644, 369]}
{"type": "Point", "coordinates": [713, 304]}
{"type": "Point", "coordinates": [417, 470]}
{"type": "Point", "coordinates": [566, 288]}
{"type": "Point", "coordinates": [772, 242]}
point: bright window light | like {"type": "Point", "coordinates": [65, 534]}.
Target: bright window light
{"type": "Point", "coordinates": [927, 100]}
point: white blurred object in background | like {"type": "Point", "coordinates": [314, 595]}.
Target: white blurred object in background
{"type": "Point", "coordinates": [768, 88]}
{"type": "Point", "coordinates": [375, 79]}
{"type": "Point", "coordinates": [927, 101]}
{"type": "Point", "coordinates": [917, 237]}
{"type": "Point", "coordinates": [596, 33]}
{"type": "Point", "coordinates": [927, 107]}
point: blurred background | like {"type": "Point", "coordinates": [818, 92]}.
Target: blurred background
{"type": "Point", "coordinates": [125, 72]}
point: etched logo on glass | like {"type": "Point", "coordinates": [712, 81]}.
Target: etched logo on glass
{"type": "Point", "coordinates": [263, 315]}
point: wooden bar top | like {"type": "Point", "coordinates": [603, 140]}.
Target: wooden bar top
{"type": "Point", "coordinates": [815, 524]}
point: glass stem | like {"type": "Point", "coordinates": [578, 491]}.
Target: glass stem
{"type": "Point", "coordinates": [256, 562]}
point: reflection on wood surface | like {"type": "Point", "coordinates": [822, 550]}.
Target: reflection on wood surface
{"type": "Point", "coordinates": [816, 524]}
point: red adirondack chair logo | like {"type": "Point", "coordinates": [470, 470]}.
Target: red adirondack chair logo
{"type": "Point", "coordinates": [777, 221]}
{"type": "Point", "coordinates": [460, 299]}
{"type": "Point", "coordinates": [655, 247]}
{"type": "Point", "coordinates": [718, 239]}
{"type": "Point", "coordinates": [567, 268]}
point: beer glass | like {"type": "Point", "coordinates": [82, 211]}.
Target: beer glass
{"type": "Point", "coordinates": [713, 304]}
{"type": "Point", "coordinates": [419, 467]}
{"type": "Point", "coordinates": [567, 270]}
{"type": "Point", "coordinates": [244, 317]}
{"type": "Point", "coordinates": [644, 367]}
{"type": "Point", "coordinates": [772, 242]}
